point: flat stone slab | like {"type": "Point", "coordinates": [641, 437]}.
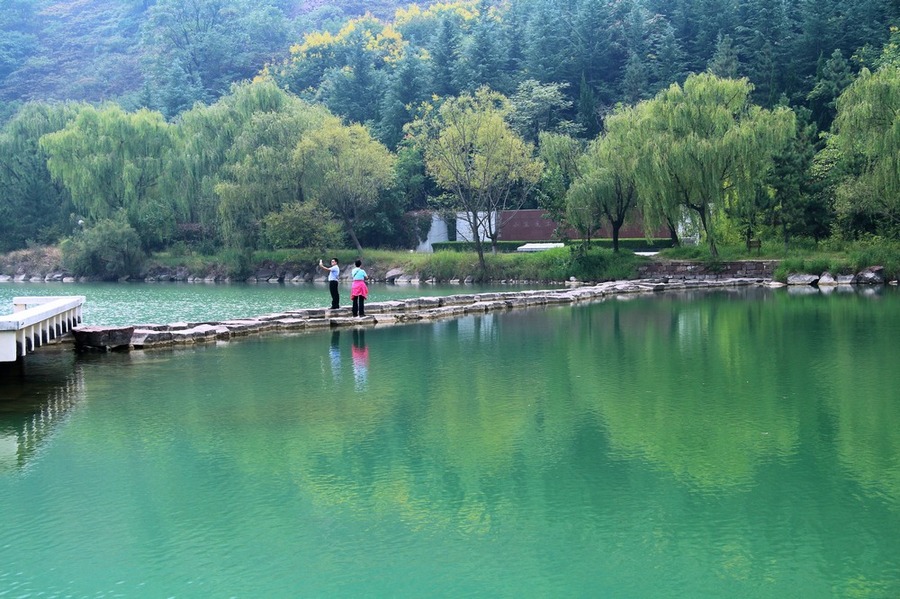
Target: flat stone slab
{"type": "Point", "coordinates": [102, 338]}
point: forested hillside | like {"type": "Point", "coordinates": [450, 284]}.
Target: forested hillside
{"type": "Point", "coordinates": [162, 54]}
{"type": "Point", "coordinates": [207, 124]}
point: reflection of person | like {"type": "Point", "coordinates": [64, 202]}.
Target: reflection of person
{"type": "Point", "coordinates": [334, 353]}
{"type": "Point", "coordinates": [334, 273]}
{"type": "Point", "coordinates": [360, 354]}
{"type": "Point", "coordinates": [359, 291]}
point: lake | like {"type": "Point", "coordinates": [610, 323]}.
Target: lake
{"type": "Point", "coordinates": [740, 443]}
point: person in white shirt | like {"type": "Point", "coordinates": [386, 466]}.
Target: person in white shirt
{"type": "Point", "coordinates": [334, 274]}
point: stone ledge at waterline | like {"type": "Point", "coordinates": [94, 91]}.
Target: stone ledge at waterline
{"type": "Point", "coordinates": [148, 336]}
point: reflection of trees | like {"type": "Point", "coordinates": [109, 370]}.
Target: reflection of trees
{"type": "Point", "coordinates": [651, 431]}
{"type": "Point", "coordinates": [848, 353]}
{"type": "Point", "coordinates": [486, 406]}
{"type": "Point", "coordinates": [37, 396]}
{"type": "Point", "coordinates": [692, 391]}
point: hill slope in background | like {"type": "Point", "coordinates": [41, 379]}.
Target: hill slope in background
{"type": "Point", "coordinates": [96, 50]}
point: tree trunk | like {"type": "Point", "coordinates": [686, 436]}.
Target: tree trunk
{"type": "Point", "coordinates": [352, 235]}
{"type": "Point", "coordinates": [713, 250]}
{"type": "Point", "coordinates": [479, 248]}
{"type": "Point", "coordinates": [673, 232]}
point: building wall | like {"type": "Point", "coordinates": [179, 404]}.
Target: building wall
{"type": "Point", "coordinates": [436, 234]}
{"type": "Point", "coordinates": [534, 225]}
{"type": "Point", "coordinates": [526, 225]}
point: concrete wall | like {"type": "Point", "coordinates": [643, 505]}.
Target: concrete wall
{"type": "Point", "coordinates": [436, 234]}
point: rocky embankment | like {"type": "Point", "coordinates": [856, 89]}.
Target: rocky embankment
{"type": "Point", "coordinates": [148, 336]}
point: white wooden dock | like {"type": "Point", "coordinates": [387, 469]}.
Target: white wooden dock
{"type": "Point", "coordinates": [35, 321]}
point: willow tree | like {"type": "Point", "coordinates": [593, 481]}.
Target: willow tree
{"type": "Point", "coordinates": [867, 131]}
{"type": "Point", "coordinates": [560, 154]}
{"type": "Point", "coordinates": [705, 146]}
{"type": "Point", "coordinates": [260, 175]}
{"type": "Point", "coordinates": [474, 155]}
{"type": "Point", "coordinates": [109, 161]}
{"type": "Point", "coordinates": [345, 169]}
{"type": "Point", "coordinates": [606, 188]}
{"type": "Point", "coordinates": [213, 140]}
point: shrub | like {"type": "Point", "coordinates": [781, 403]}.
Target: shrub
{"type": "Point", "coordinates": [306, 225]}
{"type": "Point", "coordinates": [111, 249]}
{"type": "Point", "coordinates": [604, 265]}
{"type": "Point", "coordinates": [446, 265]}
{"type": "Point", "coordinates": [237, 263]}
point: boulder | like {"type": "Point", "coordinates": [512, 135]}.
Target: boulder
{"type": "Point", "coordinates": [874, 275]}
{"type": "Point", "coordinates": [102, 338]}
{"type": "Point", "coordinates": [801, 279]}
{"type": "Point", "coordinates": [827, 280]}
{"type": "Point", "coordinates": [393, 274]}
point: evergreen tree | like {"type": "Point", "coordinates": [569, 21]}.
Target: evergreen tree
{"type": "Point", "coordinates": [33, 207]}
{"type": "Point", "coordinates": [635, 84]}
{"type": "Point", "coordinates": [832, 78]}
{"type": "Point", "coordinates": [404, 91]}
{"type": "Point", "coordinates": [195, 49]}
{"type": "Point", "coordinates": [759, 40]}
{"type": "Point", "coordinates": [444, 52]}
{"type": "Point", "coordinates": [480, 56]}
{"type": "Point", "coordinates": [354, 91]}
{"type": "Point", "coordinates": [724, 63]}
{"type": "Point", "coordinates": [800, 210]}
{"type": "Point", "coordinates": [587, 114]}
{"type": "Point", "coordinates": [548, 55]}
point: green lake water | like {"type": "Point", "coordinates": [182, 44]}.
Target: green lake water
{"type": "Point", "coordinates": [718, 444]}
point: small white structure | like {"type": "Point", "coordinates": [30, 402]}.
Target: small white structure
{"type": "Point", "coordinates": [464, 230]}
{"type": "Point", "coordinates": [436, 234]}
{"type": "Point", "coordinates": [35, 321]}
{"type": "Point", "coordinates": [539, 247]}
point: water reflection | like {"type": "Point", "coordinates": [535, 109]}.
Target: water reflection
{"type": "Point", "coordinates": [334, 354]}
{"type": "Point", "coordinates": [360, 354]}
{"type": "Point", "coordinates": [720, 444]}
{"type": "Point", "coordinates": [37, 395]}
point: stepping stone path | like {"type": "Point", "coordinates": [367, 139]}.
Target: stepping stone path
{"type": "Point", "coordinates": [148, 336]}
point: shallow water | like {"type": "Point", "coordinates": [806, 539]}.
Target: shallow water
{"type": "Point", "coordinates": [726, 444]}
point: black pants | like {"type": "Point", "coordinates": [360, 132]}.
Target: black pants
{"type": "Point", "coordinates": [335, 298]}
{"type": "Point", "coordinates": [359, 305]}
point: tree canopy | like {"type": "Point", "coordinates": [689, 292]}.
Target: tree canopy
{"type": "Point", "coordinates": [705, 146]}
{"type": "Point", "coordinates": [213, 123]}
{"type": "Point", "coordinates": [473, 154]}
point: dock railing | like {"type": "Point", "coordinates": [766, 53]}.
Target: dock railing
{"type": "Point", "coordinates": [37, 320]}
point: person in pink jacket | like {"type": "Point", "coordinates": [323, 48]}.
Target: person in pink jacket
{"type": "Point", "coordinates": [359, 291]}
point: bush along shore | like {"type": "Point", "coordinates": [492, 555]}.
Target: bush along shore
{"type": "Point", "coordinates": [551, 267]}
